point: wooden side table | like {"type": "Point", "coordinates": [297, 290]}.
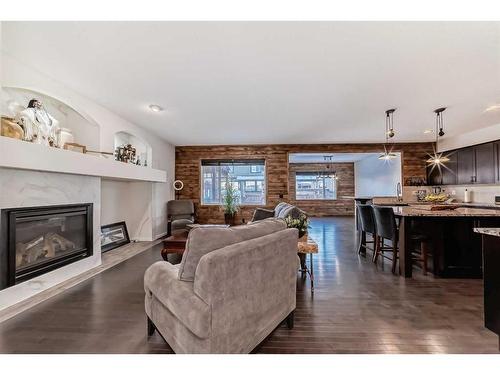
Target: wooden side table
{"type": "Point", "coordinates": [308, 246]}
{"type": "Point", "coordinates": [175, 244]}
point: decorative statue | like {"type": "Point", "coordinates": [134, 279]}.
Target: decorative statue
{"type": "Point", "coordinates": [126, 153]}
{"type": "Point", "coordinates": [39, 126]}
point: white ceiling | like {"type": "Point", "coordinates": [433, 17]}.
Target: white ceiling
{"type": "Point", "coordinates": [340, 157]}
{"type": "Point", "coordinates": [274, 82]}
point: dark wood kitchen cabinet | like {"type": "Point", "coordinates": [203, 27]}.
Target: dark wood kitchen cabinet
{"type": "Point", "coordinates": [497, 162]}
{"type": "Point", "coordinates": [443, 175]}
{"type": "Point", "coordinates": [478, 164]}
{"type": "Point", "coordinates": [484, 158]}
{"type": "Point", "coordinates": [434, 175]}
{"type": "Point", "coordinates": [449, 173]}
{"type": "Point", "coordinates": [465, 165]}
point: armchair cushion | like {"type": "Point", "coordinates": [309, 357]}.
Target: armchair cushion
{"type": "Point", "coordinates": [178, 297]}
{"type": "Point", "coordinates": [203, 240]}
{"type": "Point", "coordinates": [181, 223]}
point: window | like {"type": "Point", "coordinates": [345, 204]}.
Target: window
{"type": "Point", "coordinates": [315, 185]}
{"type": "Point", "coordinates": [247, 176]}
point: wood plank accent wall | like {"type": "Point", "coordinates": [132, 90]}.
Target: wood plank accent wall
{"type": "Point", "coordinates": [188, 160]}
{"type": "Point", "coordinates": [345, 188]}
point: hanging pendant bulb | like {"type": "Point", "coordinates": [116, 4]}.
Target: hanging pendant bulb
{"type": "Point", "coordinates": [438, 159]}
{"type": "Point", "coordinates": [389, 133]}
{"type": "Point", "coordinates": [389, 123]}
{"type": "Point", "coordinates": [387, 155]}
{"type": "Point", "coordinates": [439, 121]}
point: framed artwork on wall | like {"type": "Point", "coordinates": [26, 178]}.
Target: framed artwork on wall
{"type": "Point", "coordinates": [113, 236]}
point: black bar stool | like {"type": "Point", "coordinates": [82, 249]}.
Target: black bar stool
{"type": "Point", "coordinates": [366, 225]}
{"type": "Point", "coordinates": [386, 228]}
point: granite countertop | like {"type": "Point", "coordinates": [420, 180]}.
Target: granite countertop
{"type": "Point", "coordinates": [488, 231]}
{"type": "Point", "coordinates": [395, 202]}
{"type": "Point", "coordinates": [458, 212]}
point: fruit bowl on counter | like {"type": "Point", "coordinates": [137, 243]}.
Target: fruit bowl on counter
{"type": "Point", "coordinates": [437, 202]}
{"type": "Point", "coordinates": [436, 198]}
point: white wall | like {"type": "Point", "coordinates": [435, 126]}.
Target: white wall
{"type": "Point", "coordinates": [376, 178]}
{"type": "Point", "coordinates": [16, 74]}
{"type": "Point", "coordinates": [135, 210]}
{"type": "Point", "coordinates": [141, 204]}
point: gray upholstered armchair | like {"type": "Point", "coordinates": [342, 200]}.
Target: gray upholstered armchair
{"type": "Point", "coordinates": [180, 213]}
{"type": "Point", "coordinates": [233, 287]}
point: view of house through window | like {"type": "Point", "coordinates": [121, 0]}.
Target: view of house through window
{"type": "Point", "coordinates": [247, 176]}
{"type": "Point", "coordinates": [315, 185]}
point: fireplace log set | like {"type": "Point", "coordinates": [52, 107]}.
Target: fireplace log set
{"type": "Point", "coordinates": [42, 247]}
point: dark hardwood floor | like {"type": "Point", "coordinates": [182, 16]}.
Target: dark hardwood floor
{"type": "Point", "coordinates": [357, 308]}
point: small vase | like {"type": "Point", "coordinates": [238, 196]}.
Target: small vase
{"type": "Point", "coordinates": [303, 238]}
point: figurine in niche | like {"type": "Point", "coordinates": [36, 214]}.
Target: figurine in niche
{"type": "Point", "coordinates": [39, 126]}
{"type": "Point", "coordinates": [126, 154]}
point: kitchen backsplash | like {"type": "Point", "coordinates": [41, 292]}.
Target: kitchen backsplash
{"type": "Point", "coordinates": [479, 194]}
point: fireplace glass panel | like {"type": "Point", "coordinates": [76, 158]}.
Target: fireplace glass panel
{"type": "Point", "coordinates": [42, 239]}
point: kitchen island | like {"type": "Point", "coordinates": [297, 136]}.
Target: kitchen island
{"type": "Point", "coordinates": [456, 247]}
{"type": "Point", "coordinates": [491, 270]}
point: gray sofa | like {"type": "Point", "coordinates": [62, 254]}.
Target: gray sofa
{"type": "Point", "coordinates": [281, 211]}
{"type": "Point", "coordinates": [233, 287]}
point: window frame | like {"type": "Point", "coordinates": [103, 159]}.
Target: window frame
{"type": "Point", "coordinates": [335, 182]}
{"type": "Point", "coordinates": [235, 160]}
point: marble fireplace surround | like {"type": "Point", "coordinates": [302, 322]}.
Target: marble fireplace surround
{"type": "Point", "coordinates": [21, 188]}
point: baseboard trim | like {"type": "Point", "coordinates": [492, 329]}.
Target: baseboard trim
{"type": "Point", "coordinates": [160, 235]}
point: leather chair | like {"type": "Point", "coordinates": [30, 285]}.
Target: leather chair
{"type": "Point", "coordinates": [386, 228]}
{"type": "Point", "coordinates": [366, 226]}
{"type": "Point", "coordinates": [180, 213]}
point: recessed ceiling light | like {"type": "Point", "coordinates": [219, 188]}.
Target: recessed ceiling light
{"type": "Point", "coordinates": [494, 107]}
{"type": "Point", "coordinates": [155, 108]}
{"type": "Point", "coordinates": [428, 131]}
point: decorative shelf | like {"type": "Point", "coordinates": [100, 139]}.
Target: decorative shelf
{"type": "Point", "coordinates": [28, 156]}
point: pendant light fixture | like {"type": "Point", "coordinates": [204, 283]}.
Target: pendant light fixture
{"type": "Point", "coordinates": [329, 166]}
{"type": "Point", "coordinates": [389, 133]}
{"type": "Point", "coordinates": [438, 159]}
{"type": "Point", "coordinates": [389, 123]}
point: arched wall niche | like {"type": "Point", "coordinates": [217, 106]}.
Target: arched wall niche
{"type": "Point", "coordinates": [143, 149]}
{"type": "Point", "coordinates": [85, 130]}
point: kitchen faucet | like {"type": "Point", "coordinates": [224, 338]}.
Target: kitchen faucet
{"type": "Point", "coordinates": [399, 192]}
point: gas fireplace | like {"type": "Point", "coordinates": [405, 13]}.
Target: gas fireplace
{"type": "Point", "coordinates": [37, 240]}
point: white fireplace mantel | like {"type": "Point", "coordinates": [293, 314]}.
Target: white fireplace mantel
{"type": "Point", "coordinates": [28, 156]}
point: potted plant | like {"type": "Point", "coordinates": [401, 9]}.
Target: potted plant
{"type": "Point", "coordinates": [230, 202]}
{"type": "Point", "coordinates": [301, 223]}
